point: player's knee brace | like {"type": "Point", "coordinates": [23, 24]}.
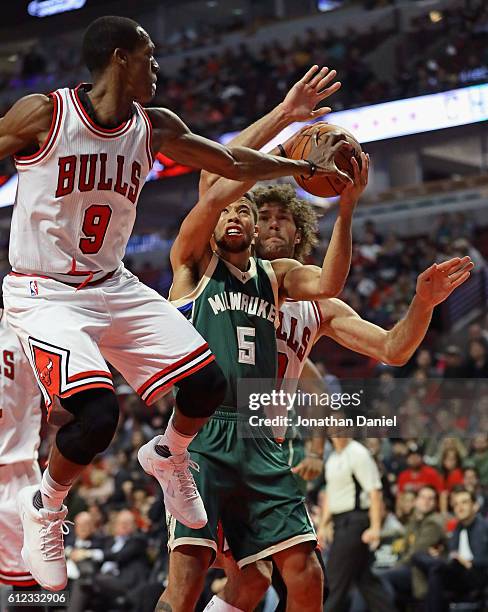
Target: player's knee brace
{"type": "Point", "coordinates": [200, 394]}
{"type": "Point", "coordinates": [96, 414]}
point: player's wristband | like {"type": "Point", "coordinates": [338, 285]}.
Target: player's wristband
{"type": "Point", "coordinates": [282, 151]}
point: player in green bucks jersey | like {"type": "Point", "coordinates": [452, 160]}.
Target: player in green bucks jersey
{"type": "Point", "coordinates": [287, 228]}
{"type": "Point", "coordinates": [233, 299]}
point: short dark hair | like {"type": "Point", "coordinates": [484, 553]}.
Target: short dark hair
{"type": "Point", "coordinates": [252, 202]}
{"type": "Point", "coordinates": [106, 34]}
{"type": "Point", "coordinates": [430, 488]}
{"type": "Point", "coordinates": [461, 489]}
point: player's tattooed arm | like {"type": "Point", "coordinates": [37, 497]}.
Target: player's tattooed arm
{"type": "Point", "coordinates": [397, 345]}
{"type": "Point", "coordinates": [26, 125]}
{"type": "Point", "coordinates": [163, 606]}
{"type": "Point", "coordinates": [173, 138]}
{"type": "Point", "coordinates": [193, 241]}
{"type": "Point", "coordinates": [298, 105]}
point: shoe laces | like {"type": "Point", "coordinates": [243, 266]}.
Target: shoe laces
{"type": "Point", "coordinates": [52, 538]}
{"type": "Point", "coordinates": [185, 478]}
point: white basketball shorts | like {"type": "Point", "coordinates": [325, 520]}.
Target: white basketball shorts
{"type": "Point", "coordinates": [14, 477]}
{"type": "Point", "coordinates": [70, 334]}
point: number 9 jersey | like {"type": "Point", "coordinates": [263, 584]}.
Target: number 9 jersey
{"type": "Point", "coordinates": [77, 195]}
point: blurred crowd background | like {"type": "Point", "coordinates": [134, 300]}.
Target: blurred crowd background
{"type": "Point", "coordinates": [227, 87]}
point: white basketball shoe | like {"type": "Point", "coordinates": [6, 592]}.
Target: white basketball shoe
{"type": "Point", "coordinates": [43, 549]}
{"type": "Point", "coordinates": [181, 497]}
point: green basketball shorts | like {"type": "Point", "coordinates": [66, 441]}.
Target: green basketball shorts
{"type": "Point", "coordinates": [246, 483]}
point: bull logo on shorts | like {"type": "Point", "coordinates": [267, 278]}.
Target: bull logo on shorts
{"type": "Point", "coordinates": [45, 374]}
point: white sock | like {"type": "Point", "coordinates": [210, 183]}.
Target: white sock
{"type": "Point", "coordinates": [219, 605]}
{"type": "Point", "coordinates": [174, 440]}
{"type": "Point", "coordinates": [52, 493]}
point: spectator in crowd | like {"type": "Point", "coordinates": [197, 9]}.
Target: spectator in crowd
{"type": "Point", "coordinates": [405, 505]}
{"type": "Point", "coordinates": [464, 247]}
{"type": "Point", "coordinates": [451, 471]}
{"type": "Point", "coordinates": [83, 550]}
{"type": "Point", "coordinates": [479, 457]}
{"type": "Point", "coordinates": [466, 567]}
{"type": "Point", "coordinates": [396, 461]}
{"type": "Point", "coordinates": [472, 484]}
{"type": "Point", "coordinates": [453, 362]}
{"type": "Point", "coordinates": [424, 363]}
{"type": "Point", "coordinates": [332, 383]}
{"type": "Point", "coordinates": [124, 565]}
{"type": "Point", "coordinates": [423, 532]}
{"type": "Point", "coordinates": [477, 363]}
{"type": "Point", "coordinates": [418, 474]}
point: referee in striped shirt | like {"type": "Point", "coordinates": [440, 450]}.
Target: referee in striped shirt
{"type": "Point", "coordinates": [352, 510]}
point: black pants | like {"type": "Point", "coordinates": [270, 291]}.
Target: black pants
{"type": "Point", "coordinates": [447, 580]}
{"type": "Point", "coordinates": [400, 580]}
{"type": "Point", "coordinates": [104, 590]}
{"type": "Point", "coordinates": [349, 564]}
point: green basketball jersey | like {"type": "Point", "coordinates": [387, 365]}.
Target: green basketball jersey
{"type": "Point", "coordinates": [236, 312]}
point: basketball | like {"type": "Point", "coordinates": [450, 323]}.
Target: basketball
{"type": "Point", "coordinates": [300, 146]}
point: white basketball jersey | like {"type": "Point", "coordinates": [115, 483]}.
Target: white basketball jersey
{"type": "Point", "coordinates": [20, 401]}
{"type": "Point", "coordinates": [298, 330]}
{"type": "Point", "coordinates": [77, 196]}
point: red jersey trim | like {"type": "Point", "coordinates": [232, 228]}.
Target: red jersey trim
{"type": "Point", "coordinates": [91, 125]}
{"type": "Point", "coordinates": [174, 366]}
{"type": "Point", "coordinates": [89, 374]}
{"type": "Point", "coordinates": [318, 314]}
{"type": "Point", "coordinates": [147, 121]}
{"type": "Point", "coordinates": [87, 283]}
{"type": "Point", "coordinates": [169, 383]}
{"type": "Point", "coordinates": [13, 582]}
{"type": "Point", "coordinates": [48, 144]}
{"type": "Point", "coordinates": [81, 387]}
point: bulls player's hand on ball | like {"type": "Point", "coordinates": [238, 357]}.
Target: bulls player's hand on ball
{"type": "Point", "coordinates": [322, 155]}
{"type": "Point", "coordinates": [436, 283]}
{"type": "Point", "coordinates": [303, 97]}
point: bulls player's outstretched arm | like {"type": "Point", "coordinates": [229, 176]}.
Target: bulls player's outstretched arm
{"type": "Point", "coordinates": [298, 105]}
{"type": "Point", "coordinates": [397, 345]}
{"type": "Point", "coordinates": [193, 240]}
{"type": "Point", "coordinates": [173, 138]}
{"type": "Point", "coordinates": [26, 125]}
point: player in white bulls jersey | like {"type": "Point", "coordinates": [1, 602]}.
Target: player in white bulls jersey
{"type": "Point", "coordinates": [83, 156]}
{"type": "Point", "coordinates": [20, 421]}
{"type": "Point", "coordinates": [288, 228]}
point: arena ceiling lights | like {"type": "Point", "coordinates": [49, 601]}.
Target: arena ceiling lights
{"type": "Point", "coordinates": [437, 111]}
{"type": "Point", "coordinates": [46, 8]}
